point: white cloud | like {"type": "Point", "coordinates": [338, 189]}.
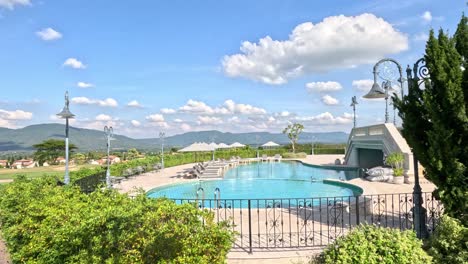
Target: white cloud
{"type": "Point", "coordinates": [134, 103]}
{"type": "Point", "coordinates": [10, 4]}
{"type": "Point", "coordinates": [336, 42]}
{"type": "Point", "coordinates": [155, 118]}
{"type": "Point", "coordinates": [135, 123]}
{"type": "Point", "coordinates": [427, 16]}
{"type": "Point", "coordinates": [8, 118]}
{"type": "Point", "coordinates": [168, 111]}
{"type": "Point", "coordinates": [185, 127]}
{"type": "Point", "coordinates": [323, 87]}
{"type": "Point", "coordinates": [48, 34]}
{"type": "Point", "coordinates": [103, 117]}
{"type": "Point", "coordinates": [84, 85]}
{"type": "Point", "coordinates": [245, 109]}
{"type": "Point", "coordinates": [15, 115]}
{"type": "Point", "coordinates": [363, 85]}
{"type": "Point", "coordinates": [109, 102]}
{"type": "Point", "coordinates": [74, 63]}
{"type": "Point", "coordinates": [193, 106]}
{"type": "Point", "coordinates": [326, 119]}
{"type": "Point", "coordinates": [234, 119]}
{"type": "Point", "coordinates": [329, 100]}
{"type": "Point", "coordinates": [209, 120]}
{"type": "Point", "coordinates": [178, 120]}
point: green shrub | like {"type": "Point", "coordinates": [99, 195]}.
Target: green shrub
{"type": "Point", "coordinates": [371, 244]}
{"type": "Point", "coordinates": [46, 223]}
{"type": "Point", "coordinates": [300, 155]}
{"type": "Point", "coordinates": [449, 242]}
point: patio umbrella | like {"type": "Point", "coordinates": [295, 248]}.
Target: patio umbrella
{"type": "Point", "coordinates": [197, 147]}
{"type": "Point", "coordinates": [270, 144]}
{"type": "Point", "coordinates": [223, 146]}
{"type": "Point", "coordinates": [237, 145]}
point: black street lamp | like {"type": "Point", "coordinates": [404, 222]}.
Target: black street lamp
{"type": "Point", "coordinates": [66, 114]}
{"type": "Point", "coordinates": [109, 131]}
{"type": "Point", "coordinates": [419, 211]}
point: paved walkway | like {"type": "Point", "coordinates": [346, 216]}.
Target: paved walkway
{"type": "Point", "coordinates": [151, 180]}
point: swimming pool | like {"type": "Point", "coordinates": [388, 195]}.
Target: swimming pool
{"type": "Point", "coordinates": [264, 180]}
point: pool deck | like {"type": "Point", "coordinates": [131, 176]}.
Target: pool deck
{"type": "Point", "coordinates": [150, 180]}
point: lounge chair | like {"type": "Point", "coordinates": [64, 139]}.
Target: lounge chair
{"type": "Point", "coordinates": [264, 157]}
{"type": "Point", "coordinates": [277, 157]}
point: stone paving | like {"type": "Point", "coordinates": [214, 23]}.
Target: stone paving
{"type": "Point", "coordinates": [151, 180]}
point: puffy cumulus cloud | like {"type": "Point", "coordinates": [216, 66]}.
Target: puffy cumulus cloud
{"type": "Point", "coordinates": [48, 34]}
{"type": "Point", "coordinates": [178, 120]}
{"type": "Point", "coordinates": [329, 100]}
{"type": "Point", "coordinates": [10, 4]}
{"type": "Point", "coordinates": [103, 117]}
{"type": "Point", "coordinates": [135, 123]}
{"type": "Point", "coordinates": [228, 107]}
{"type": "Point", "coordinates": [84, 85]}
{"type": "Point", "coordinates": [323, 87]}
{"type": "Point", "coordinates": [326, 119]}
{"type": "Point", "coordinates": [245, 109]}
{"type": "Point", "coordinates": [134, 103]}
{"type": "Point", "coordinates": [185, 127]}
{"type": "Point", "coordinates": [427, 16]}
{"type": "Point", "coordinates": [336, 42]}
{"type": "Point", "coordinates": [363, 85]}
{"type": "Point", "coordinates": [155, 118]}
{"type": "Point", "coordinates": [193, 106]}
{"type": "Point", "coordinates": [168, 111]}
{"type": "Point", "coordinates": [234, 119]}
{"type": "Point", "coordinates": [74, 63]}
{"type": "Point", "coordinates": [209, 120]}
{"type": "Point", "coordinates": [15, 115]}
{"type": "Point", "coordinates": [108, 102]}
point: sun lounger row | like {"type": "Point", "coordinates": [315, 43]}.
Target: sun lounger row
{"type": "Point", "coordinates": [277, 157]}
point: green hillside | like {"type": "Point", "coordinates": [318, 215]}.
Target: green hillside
{"type": "Point", "coordinates": [22, 139]}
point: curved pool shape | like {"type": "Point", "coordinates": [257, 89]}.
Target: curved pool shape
{"type": "Point", "coordinates": [264, 180]}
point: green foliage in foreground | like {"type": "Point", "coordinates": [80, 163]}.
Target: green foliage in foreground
{"type": "Point", "coordinates": [45, 223]}
{"type": "Point", "coordinates": [449, 243]}
{"type": "Point", "coordinates": [370, 244]}
{"type": "Point", "coordinates": [435, 119]}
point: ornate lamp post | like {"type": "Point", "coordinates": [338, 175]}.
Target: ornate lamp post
{"type": "Point", "coordinates": [378, 92]}
{"type": "Point", "coordinates": [109, 133]}
{"type": "Point", "coordinates": [66, 114]}
{"type": "Point", "coordinates": [419, 211]}
{"type": "Point", "coordinates": [161, 138]}
{"type": "Point", "coordinates": [353, 104]}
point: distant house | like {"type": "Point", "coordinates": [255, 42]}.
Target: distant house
{"type": "Point", "coordinates": [61, 160]}
{"type": "Point", "coordinates": [112, 160]}
{"type": "Point", "coordinates": [24, 163]}
{"type": "Point", "coordinates": [3, 163]}
{"type": "Point", "coordinates": [94, 162]}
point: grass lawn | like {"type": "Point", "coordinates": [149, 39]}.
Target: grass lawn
{"type": "Point", "coordinates": [39, 171]}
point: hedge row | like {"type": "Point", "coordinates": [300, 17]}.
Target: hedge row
{"type": "Point", "coordinates": [43, 222]}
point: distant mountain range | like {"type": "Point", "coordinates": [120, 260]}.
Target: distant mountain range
{"type": "Point", "coordinates": [22, 140]}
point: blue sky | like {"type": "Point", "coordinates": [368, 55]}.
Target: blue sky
{"type": "Point", "coordinates": [179, 66]}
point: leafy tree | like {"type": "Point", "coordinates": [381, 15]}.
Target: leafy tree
{"type": "Point", "coordinates": [79, 158]}
{"type": "Point", "coordinates": [49, 150]}
{"type": "Point", "coordinates": [293, 131]}
{"type": "Point", "coordinates": [132, 153]}
{"type": "Point", "coordinates": [435, 121]}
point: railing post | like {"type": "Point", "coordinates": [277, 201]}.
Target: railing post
{"type": "Point", "coordinates": [357, 211]}
{"type": "Point", "coordinates": [250, 228]}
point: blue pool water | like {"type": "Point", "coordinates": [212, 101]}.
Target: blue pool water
{"type": "Point", "coordinates": [267, 180]}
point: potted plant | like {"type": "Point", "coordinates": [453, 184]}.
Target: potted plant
{"type": "Point", "coordinates": [396, 160]}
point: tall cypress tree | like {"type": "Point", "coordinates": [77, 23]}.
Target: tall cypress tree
{"type": "Point", "coordinates": [435, 121]}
